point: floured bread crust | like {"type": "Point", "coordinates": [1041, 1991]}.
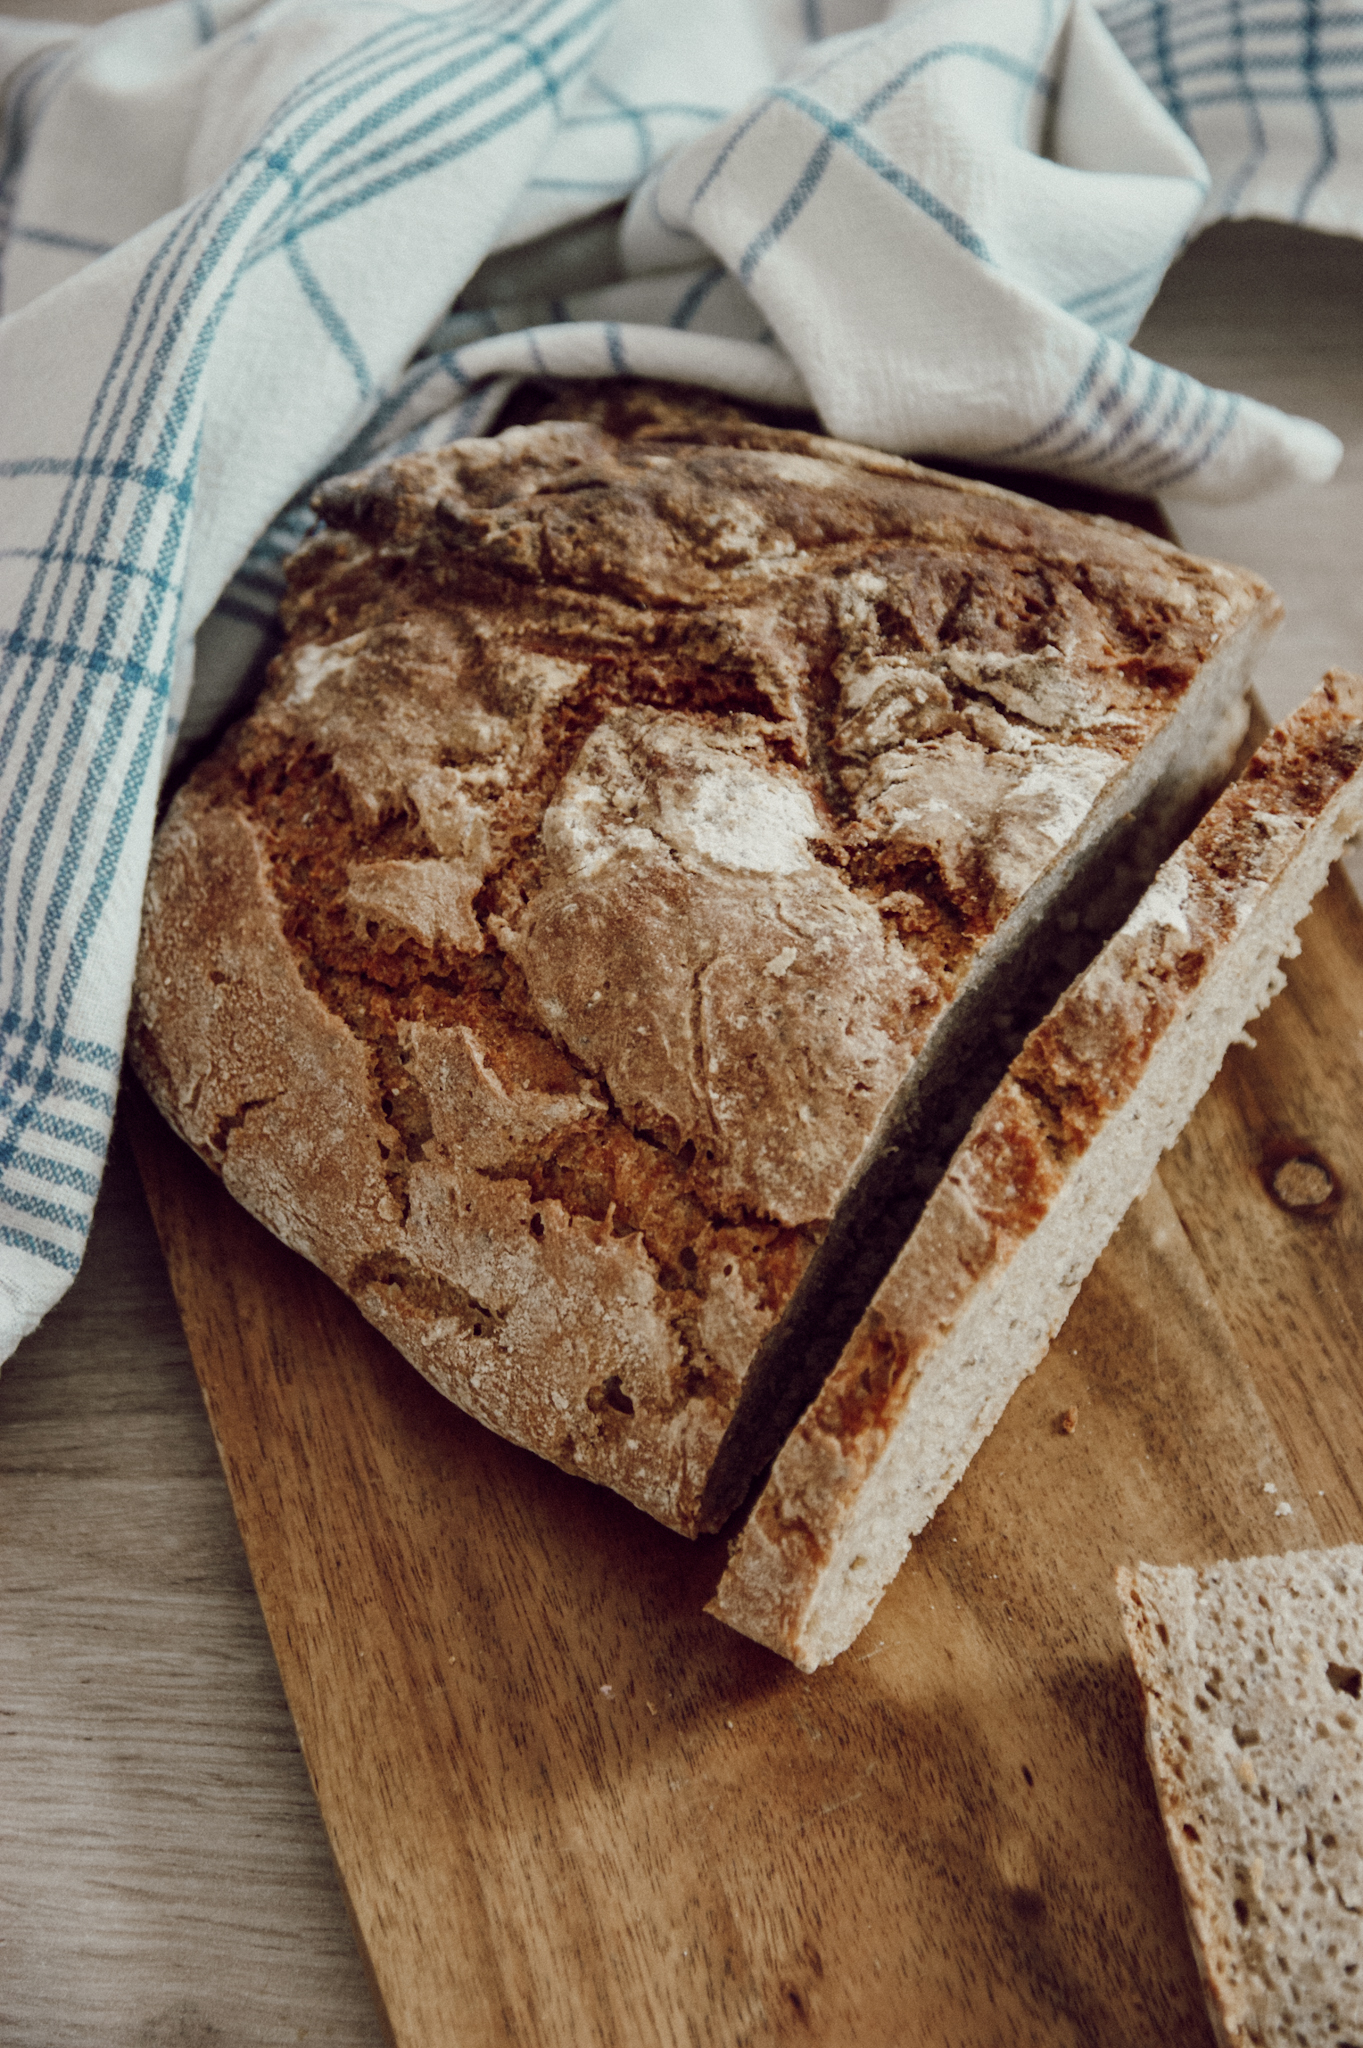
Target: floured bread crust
{"type": "Point", "coordinates": [1250, 1675]}
{"type": "Point", "coordinates": [542, 954]}
{"type": "Point", "coordinates": [1064, 1144]}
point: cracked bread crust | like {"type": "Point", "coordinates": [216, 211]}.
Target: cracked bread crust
{"type": "Point", "coordinates": [541, 956]}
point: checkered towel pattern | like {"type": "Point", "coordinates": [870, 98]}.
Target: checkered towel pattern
{"type": "Point", "coordinates": [231, 232]}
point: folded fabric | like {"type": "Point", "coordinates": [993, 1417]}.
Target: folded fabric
{"type": "Point", "coordinates": [228, 227]}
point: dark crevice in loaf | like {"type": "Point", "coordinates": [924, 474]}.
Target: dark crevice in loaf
{"type": "Point", "coordinates": [630, 1178]}
{"type": "Point", "coordinates": [438, 1297]}
{"type": "Point", "coordinates": [967, 1058]}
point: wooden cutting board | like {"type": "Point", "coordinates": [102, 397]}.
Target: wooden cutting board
{"type": "Point", "coordinates": [568, 1808]}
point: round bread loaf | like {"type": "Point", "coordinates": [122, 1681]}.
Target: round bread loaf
{"type": "Point", "coordinates": [546, 954]}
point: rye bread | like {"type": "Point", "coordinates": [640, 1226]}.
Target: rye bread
{"type": "Point", "coordinates": [1250, 1674]}
{"type": "Point", "coordinates": [1066, 1142]}
{"type": "Point", "coordinates": [642, 819]}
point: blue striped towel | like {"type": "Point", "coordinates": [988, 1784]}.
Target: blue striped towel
{"type": "Point", "coordinates": [231, 232]}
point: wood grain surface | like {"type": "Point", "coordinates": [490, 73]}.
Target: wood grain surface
{"type": "Point", "coordinates": [567, 1807]}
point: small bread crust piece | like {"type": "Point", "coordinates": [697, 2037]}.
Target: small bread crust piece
{"type": "Point", "coordinates": [1045, 1174]}
{"type": "Point", "coordinates": [542, 954]}
{"type": "Point", "coordinates": [1250, 1676]}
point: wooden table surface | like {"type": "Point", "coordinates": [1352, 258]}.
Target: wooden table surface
{"type": "Point", "coordinates": [165, 1881]}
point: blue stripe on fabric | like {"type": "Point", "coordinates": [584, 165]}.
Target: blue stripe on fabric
{"type": "Point", "coordinates": [433, 160]}
{"type": "Point", "coordinates": [1306, 64]}
{"type": "Point", "coordinates": [1156, 376]}
{"type": "Point", "coordinates": [744, 128]}
{"type": "Point", "coordinates": [431, 82]}
{"type": "Point", "coordinates": [109, 564]}
{"type": "Point", "coordinates": [1234, 402]}
{"type": "Point", "coordinates": [45, 720]}
{"type": "Point", "coordinates": [1267, 96]}
{"type": "Point", "coordinates": [79, 467]}
{"type": "Point", "coordinates": [1153, 473]}
{"type": "Point", "coordinates": [578, 185]}
{"type": "Point", "coordinates": [44, 1211]}
{"type": "Point", "coordinates": [1061, 419]}
{"type": "Point", "coordinates": [648, 109]}
{"type": "Point", "coordinates": [1197, 26]}
{"type": "Point", "coordinates": [50, 238]}
{"type": "Point", "coordinates": [615, 348]}
{"type": "Point", "coordinates": [790, 209]}
{"type": "Point", "coordinates": [875, 160]}
{"type": "Point", "coordinates": [1095, 428]}
{"type": "Point", "coordinates": [695, 296]}
{"type": "Point", "coordinates": [40, 1248]}
{"type": "Point", "coordinates": [1164, 58]}
{"type": "Point", "coordinates": [643, 148]}
{"type": "Point", "coordinates": [1258, 134]}
{"type": "Point", "coordinates": [1087, 305]}
{"type": "Point", "coordinates": [87, 1052]}
{"type": "Point", "coordinates": [69, 654]}
{"type": "Point", "coordinates": [1329, 145]}
{"type": "Point", "coordinates": [83, 1136]}
{"type": "Point", "coordinates": [56, 1172]}
{"type": "Point", "coordinates": [35, 851]}
{"type": "Point", "coordinates": [111, 731]}
{"type": "Point", "coordinates": [111, 854]}
{"type": "Point", "coordinates": [261, 570]}
{"type": "Point", "coordinates": [848, 132]}
{"type": "Point", "coordinates": [262, 616]}
{"type": "Point", "coordinates": [75, 505]}
{"type": "Point", "coordinates": [336, 329]}
{"type": "Point", "coordinates": [1012, 67]}
{"type": "Point", "coordinates": [80, 1092]}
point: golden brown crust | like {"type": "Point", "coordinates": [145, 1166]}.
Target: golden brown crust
{"type": "Point", "coordinates": [619, 817]}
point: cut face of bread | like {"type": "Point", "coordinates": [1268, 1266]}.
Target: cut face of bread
{"type": "Point", "coordinates": [646, 855]}
{"type": "Point", "coordinates": [1066, 1142]}
{"type": "Point", "coordinates": [1250, 1674]}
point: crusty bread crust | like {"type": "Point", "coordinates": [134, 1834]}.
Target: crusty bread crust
{"type": "Point", "coordinates": [544, 953]}
{"type": "Point", "coordinates": [1250, 1674]}
{"type": "Point", "coordinates": [1045, 1174]}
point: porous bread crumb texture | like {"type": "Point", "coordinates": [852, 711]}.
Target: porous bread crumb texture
{"type": "Point", "coordinates": [1251, 1675]}
{"type": "Point", "coordinates": [1051, 1163]}
{"type": "Point", "coordinates": [540, 956]}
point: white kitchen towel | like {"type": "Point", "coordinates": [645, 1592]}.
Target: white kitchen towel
{"type": "Point", "coordinates": [1271, 91]}
{"type": "Point", "coordinates": [226, 228]}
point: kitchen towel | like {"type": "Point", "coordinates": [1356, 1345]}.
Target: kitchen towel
{"type": "Point", "coordinates": [231, 234]}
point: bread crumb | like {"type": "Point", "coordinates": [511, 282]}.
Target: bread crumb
{"type": "Point", "coordinates": [1069, 1422]}
{"type": "Point", "coordinates": [1282, 1508]}
{"type": "Point", "coordinates": [607, 1692]}
{"type": "Point", "coordinates": [1269, 1487]}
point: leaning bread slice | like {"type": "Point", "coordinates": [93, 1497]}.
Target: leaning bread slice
{"type": "Point", "coordinates": [1064, 1145]}
{"type": "Point", "coordinates": [1251, 1674]}
{"type": "Point", "coordinates": [649, 836]}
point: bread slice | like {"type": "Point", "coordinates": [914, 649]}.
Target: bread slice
{"type": "Point", "coordinates": [1065, 1144]}
{"type": "Point", "coordinates": [1251, 1673]}
{"type": "Point", "coordinates": [655, 835]}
